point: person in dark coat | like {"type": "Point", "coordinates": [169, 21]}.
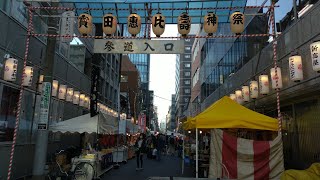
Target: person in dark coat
{"type": "Point", "coordinates": [140, 146]}
{"type": "Point", "coordinates": [161, 142]}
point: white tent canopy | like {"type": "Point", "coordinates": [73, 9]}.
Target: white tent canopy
{"type": "Point", "coordinates": [101, 124]}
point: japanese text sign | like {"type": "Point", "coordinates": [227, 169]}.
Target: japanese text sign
{"type": "Point", "coordinates": [138, 46]}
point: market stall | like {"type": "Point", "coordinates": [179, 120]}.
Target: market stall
{"type": "Point", "coordinates": [132, 136]}
{"type": "Point", "coordinates": [234, 157]}
{"type": "Point", "coordinates": [98, 131]}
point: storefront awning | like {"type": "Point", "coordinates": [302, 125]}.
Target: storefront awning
{"type": "Point", "coordinates": [102, 124]}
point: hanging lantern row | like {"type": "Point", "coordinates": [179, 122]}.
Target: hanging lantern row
{"type": "Point", "coordinates": [67, 94]}
{"type": "Point", "coordinates": [295, 74]}
{"type": "Point", "coordinates": [103, 108]}
{"type": "Point", "coordinates": [109, 23]}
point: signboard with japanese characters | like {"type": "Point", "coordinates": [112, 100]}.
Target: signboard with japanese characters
{"type": "Point", "coordinates": [142, 122]}
{"type": "Point", "coordinates": [27, 77]}
{"type": "Point", "coordinates": [315, 55]}
{"type": "Point", "coordinates": [137, 46]}
{"type": "Point", "coordinates": [44, 106]}
{"type": "Point", "coordinates": [10, 69]}
{"type": "Point", "coordinates": [67, 25]}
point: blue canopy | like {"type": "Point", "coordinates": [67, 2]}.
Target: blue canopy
{"type": "Point", "coordinates": [122, 8]}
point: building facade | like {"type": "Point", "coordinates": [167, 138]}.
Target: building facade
{"type": "Point", "coordinates": [183, 77]}
{"type": "Point", "coordinates": [142, 62]}
{"type": "Point", "coordinates": [299, 101]}
{"type": "Point", "coordinates": [66, 72]}
{"type": "Point", "coordinates": [130, 88]}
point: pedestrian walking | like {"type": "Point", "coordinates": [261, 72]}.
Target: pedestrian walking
{"type": "Point", "coordinates": [180, 146]}
{"type": "Point", "coordinates": [171, 145]}
{"type": "Point", "coordinates": [160, 145]}
{"type": "Point", "coordinates": [140, 146]}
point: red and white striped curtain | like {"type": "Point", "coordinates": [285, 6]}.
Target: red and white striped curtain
{"type": "Point", "coordinates": [238, 158]}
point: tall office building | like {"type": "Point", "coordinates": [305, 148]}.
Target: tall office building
{"type": "Point", "coordinates": [142, 62]}
{"type": "Point", "coordinates": [183, 75]}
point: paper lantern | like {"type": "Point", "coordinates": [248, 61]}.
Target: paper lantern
{"type": "Point", "coordinates": [276, 81]}
{"type": "Point", "coordinates": [295, 68]}
{"type": "Point", "coordinates": [62, 91]}
{"type": "Point", "coordinates": [158, 24]}
{"type": "Point", "coordinates": [86, 101]}
{"type": "Point", "coordinates": [28, 75]}
{"type": "Point", "coordinates": [245, 93]}
{"type": "Point", "coordinates": [315, 56]}
{"type": "Point", "coordinates": [85, 24]}
{"type": "Point", "coordinates": [82, 99]}
{"type": "Point", "coordinates": [210, 23]}
{"type": "Point", "coordinates": [40, 83]}
{"type": "Point", "coordinates": [134, 24]}
{"type": "Point", "coordinates": [41, 79]}
{"type": "Point", "coordinates": [109, 24]}
{"type": "Point", "coordinates": [10, 70]}
{"type": "Point", "coordinates": [237, 22]}
{"type": "Point", "coordinates": [264, 84]}
{"type": "Point", "coordinates": [254, 89]}
{"type": "Point", "coordinates": [233, 97]}
{"type": "Point", "coordinates": [69, 94]}
{"type": "Point", "coordinates": [184, 24]}
{"type": "Point", "coordinates": [76, 97]}
{"type": "Point", "coordinates": [239, 96]}
{"type": "Point", "coordinates": [55, 85]}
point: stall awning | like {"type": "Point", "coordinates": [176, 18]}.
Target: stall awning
{"type": "Point", "coordinates": [226, 113]}
{"type": "Point", "coordinates": [102, 123]}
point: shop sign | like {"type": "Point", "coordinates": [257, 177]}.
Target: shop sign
{"type": "Point", "coordinates": [138, 46]}
{"type": "Point", "coordinates": [44, 106]}
{"type": "Point", "coordinates": [67, 26]}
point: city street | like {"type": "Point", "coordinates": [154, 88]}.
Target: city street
{"type": "Point", "coordinates": [232, 86]}
{"type": "Point", "coordinates": [168, 167]}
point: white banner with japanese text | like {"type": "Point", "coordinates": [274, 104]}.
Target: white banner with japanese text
{"type": "Point", "coordinates": [138, 46]}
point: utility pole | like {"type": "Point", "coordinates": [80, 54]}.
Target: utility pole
{"type": "Point", "coordinates": [42, 132]}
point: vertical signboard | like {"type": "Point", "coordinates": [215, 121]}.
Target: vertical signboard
{"type": "Point", "coordinates": [142, 123]}
{"type": "Point", "coordinates": [67, 26]}
{"type": "Point", "coordinates": [94, 91]}
{"type": "Point", "coordinates": [44, 106]}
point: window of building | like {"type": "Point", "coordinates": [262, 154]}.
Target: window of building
{"type": "Point", "coordinates": [187, 91]}
{"type": "Point", "coordinates": [187, 56]}
{"type": "Point", "coordinates": [187, 65]}
{"type": "Point", "coordinates": [195, 77]}
{"type": "Point", "coordinates": [186, 100]}
{"type": "Point", "coordinates": [187, 82]}
{"type": "Point", "coordinates": [124, 78]}
{"type": "Point", "coordinates": [4, 5]}
{"type": "Point", "coordinates": [187, 48]}
{"type": "Point", "coordinates": [187, 74]}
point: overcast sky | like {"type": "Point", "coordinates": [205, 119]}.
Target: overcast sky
{"type": "Point", "coordinates": [162, 67]}
{"type": "Point", "coordinates": [162, 76]}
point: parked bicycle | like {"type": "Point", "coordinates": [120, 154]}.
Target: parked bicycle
{"type": "Point", "coordinates": [59, 170]}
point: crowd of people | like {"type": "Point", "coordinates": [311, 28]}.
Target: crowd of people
{"type": "Point", "coordinates": [155, 146]}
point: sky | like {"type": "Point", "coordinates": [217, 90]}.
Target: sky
{"type": "Point", "coordinates": [162, 66]}
{"type": "Point", "coordinates": [162, 76]}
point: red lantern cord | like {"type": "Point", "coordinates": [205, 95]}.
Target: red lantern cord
{"type": "Point", "coordinates": [171, 37]}
{"type": "Point", "coordinates": [20, 95]}
{"type": "Point", "coordinates": [275, 67]}
{"type": "Point", "coordinates": [163, 9]}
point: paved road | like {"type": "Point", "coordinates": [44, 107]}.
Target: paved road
{"type": "Point", "coordinates": [168, 166]}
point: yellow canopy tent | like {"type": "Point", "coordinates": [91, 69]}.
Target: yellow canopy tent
{"type": "Point", "coordinates": [189, 124]}
{"type": "Point", "coordinates": [226, 113]}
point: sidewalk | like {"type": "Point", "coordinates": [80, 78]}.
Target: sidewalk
{"type": "Point", "coordinates": [169, 166]}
